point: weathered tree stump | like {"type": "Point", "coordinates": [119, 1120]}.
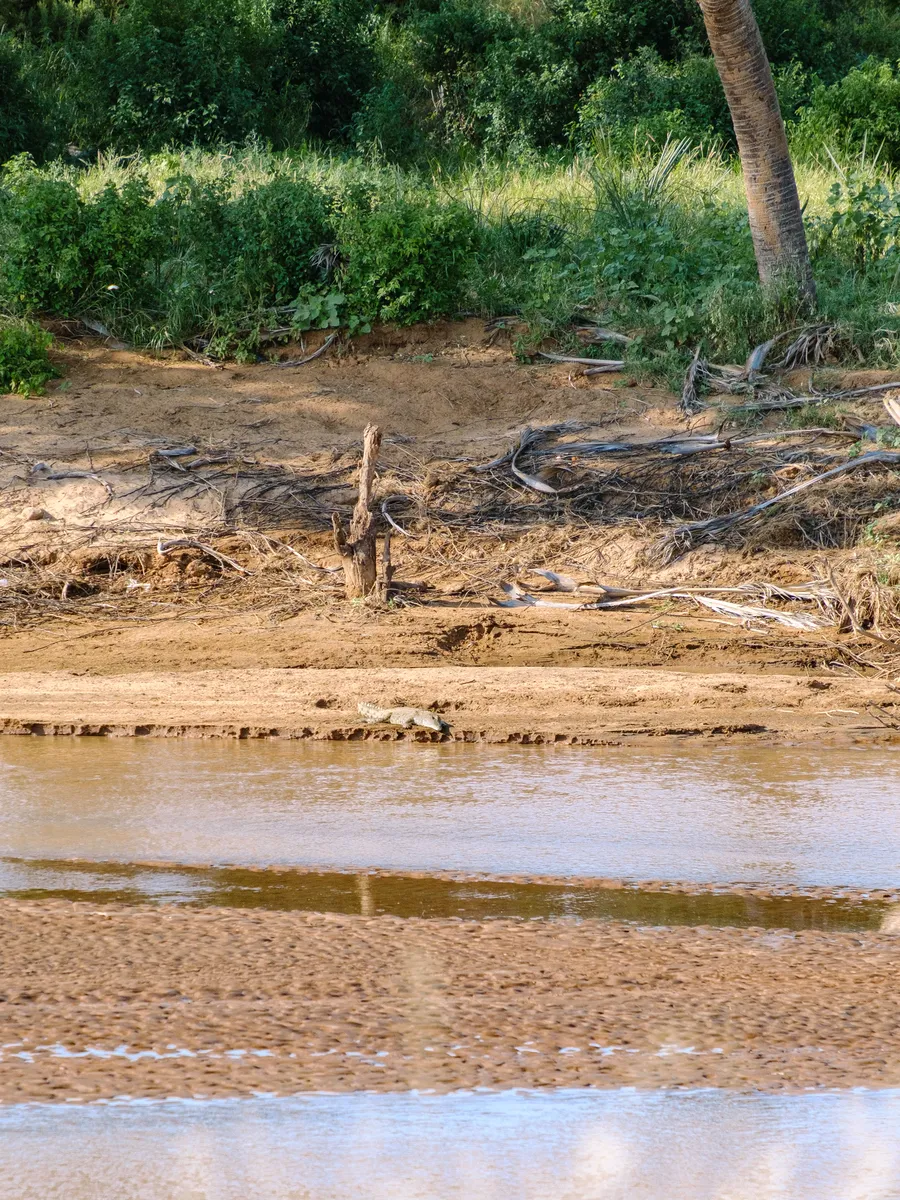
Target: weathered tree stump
{"type": "Point", "coordinates": [358, 549]}
{"type": "Point", "coordinates": [386, 577]}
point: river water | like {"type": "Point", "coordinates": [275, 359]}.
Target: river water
{"type": "Point", "coordinates": [562, 1145]}
{"type": "Point", "coordinates": [343, 822]}
{"type": "Point", "coordinates": [778, 816]}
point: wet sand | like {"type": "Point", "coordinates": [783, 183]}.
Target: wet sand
{"type": "Point", "coordinates": [235, 1003]}
{"type": "Point", "coordinates": [530, 705]}
{"type": "Point", "coordinates": [384, 893]}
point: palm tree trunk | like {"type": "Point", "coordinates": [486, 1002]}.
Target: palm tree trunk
{"type": "Point", "coordinates": [776, 219]}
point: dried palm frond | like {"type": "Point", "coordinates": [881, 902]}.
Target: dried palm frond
{"type": "Point", "coordinates": [810, 348]}
{"type": "Point", "coordinates": [685, 537]}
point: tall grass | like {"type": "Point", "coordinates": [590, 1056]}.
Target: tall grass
{"type": "Point", "coordinates": [225, 245]}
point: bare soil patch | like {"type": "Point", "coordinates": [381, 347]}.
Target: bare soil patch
{"type": "Point", "coordinates": [88, 496]}
{"type": "Point", "coordinates": [588, 706]}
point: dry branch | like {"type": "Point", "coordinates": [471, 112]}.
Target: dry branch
{"type": "Point", "coordinates": [301, 362]}
{"type": "Point", "coordinates": [709, 598]}
{"type": "Point", "coordinates": [687, 536]}
{"type": "Point", "coordinates": [608, 364]}
{"type": "Point", "coordinates": [358, 549]}
{"type": "Point", "coordinates": [166, 547]}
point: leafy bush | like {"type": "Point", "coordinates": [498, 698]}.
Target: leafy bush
{"type": "Point", "coordinates": [864, 219]}
{"type": "Point", "coordinates": [174, 71]}
{"type": "Point", "coordinates": [16, 134]}
{"type": "Point", "coordinates": [862, 109]}
{"type": "Point", "coordinates": [41, 222]}
{"type": "Point", "coordinates": [255, 249]}
{"type": "Point", "coordinates": [124, 236]}
{"type": "Point", "coordinates": [405, 259]}
{"type": "Point", "coordinates": [61, 251]}
{"type": "Point", "coordinates": [646, 97]}
{"type": "Point", "coordinates": [226, 248]}
{"type": "Point", "coordinates": [414, 80]}
{"type": "Point", "coordinates": [397, 117]}
{"type": "Point", "coordinates": [25, 365]}
{"type": "Point", "coordinates": [323, 64]}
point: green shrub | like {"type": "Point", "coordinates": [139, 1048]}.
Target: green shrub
{"type": "Point", "coordinates": [166, 71]}
{"type": "Point", "coordinates": [124, 236]}
{"type": "Point", "coordinates": [256, 249]}
{"type": "Point", "coordinates": [863, 109]}
{"type": "Point", "coordinates": [864, 221]}
{"type": "Point", "coordinates": [647, 98]}
{"type": "Point", "coordinates": [61, 252]}
{"type": "Point", "coordinates": [20, 125]}
{"type": "Point", "coordinates": [405, 259]}
{"type": "Point", "coordinates": [25, 365]}
{"type": "Point", "coordinates": [413, 80]}
{"type": "Point", "coordinates": [323, 64]}
{"type": "Point", "coordinates": [42, 268]}
{"type": "Point", "coordinates": [397, 117]}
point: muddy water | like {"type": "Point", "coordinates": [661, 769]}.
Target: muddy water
{"type": "Point", "coordinates": [424, 896]}
{"type": "Point", "coordinates": [568, 1145]}
{"type": "Point", "coordinates": [784, 815]}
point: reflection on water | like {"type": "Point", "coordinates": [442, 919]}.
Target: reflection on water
{"type": "Point", "coordinates": [776, 815]}
{"type": "Point", "coordinates": [410, 896]}
{"type": "Point", "coordinates": [569, 1145]}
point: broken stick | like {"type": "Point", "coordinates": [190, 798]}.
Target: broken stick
{"type": "Point", "coordinates": [358, 550]}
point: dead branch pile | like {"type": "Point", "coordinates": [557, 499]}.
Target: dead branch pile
{"type": "Point", "coordinates": [760, 385]}
{"type": "Point", "coordinates": [702, 483]}
{"type": "Point", "coordinates": [758, 613]}
{"type": "Point", "coordinates": [698, 487]}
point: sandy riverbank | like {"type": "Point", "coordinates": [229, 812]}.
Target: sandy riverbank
{"type": "Point", "coordinates": [587, 706]}
{"type": "Point", "coordinates": [342, 1003]}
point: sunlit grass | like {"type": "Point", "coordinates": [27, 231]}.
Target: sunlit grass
{"type": "Point", "coordinates": [556, 234]}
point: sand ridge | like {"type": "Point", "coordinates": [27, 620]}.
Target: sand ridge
{"type": "Point", "coordinates": [319, 1002]}
{"type": "Point", "coordinates": [534, 705]}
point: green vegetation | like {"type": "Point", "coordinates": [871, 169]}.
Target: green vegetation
{"type": "Point", "coordinates": [224, 170]}
{"type": "Point", "coordinates": [423, 78]}
{"type": "Point", "coordinates": [231, 246]}
{"type": "Point", "coordinates": [24, 364]}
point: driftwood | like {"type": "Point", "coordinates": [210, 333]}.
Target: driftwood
{"type": "Point", "coordinates": [386, 576]}
{"type": "Point", "coordinates": [599, 364]}
{"type": "Point", "coordinates": [690, 393]}
{"type": "Point", "coordinates": [762, 391]}
{"type": "Point", "coordinates": [301, 362]}
{"type": "Point", "coordinates": [709, 598]}
{"type": "Point", "coordinates": [358, 550]}
{"type": "Point", "coordinates": [166, 547]}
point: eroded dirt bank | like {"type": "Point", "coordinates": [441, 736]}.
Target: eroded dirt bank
{"type": "Point", "coordinates": [87, 496]}
{"type": "Point", "coordinates": [517, 704]}
{"type": "Point", "coordinates": [342, 1002]}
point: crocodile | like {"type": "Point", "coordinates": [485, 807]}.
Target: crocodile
{"type": "Point", "coordinates": [408, 718]}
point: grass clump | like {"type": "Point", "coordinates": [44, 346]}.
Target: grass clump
{"type": "Point", "coordinates": [25, 365]}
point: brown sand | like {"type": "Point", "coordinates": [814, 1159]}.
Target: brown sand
{"type": "Point", "coordinates": [452, 1003]}
{"type": "Point", "coordinates": [516, 704]}
{"type": "Point", "coordinates": [444, 394]}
